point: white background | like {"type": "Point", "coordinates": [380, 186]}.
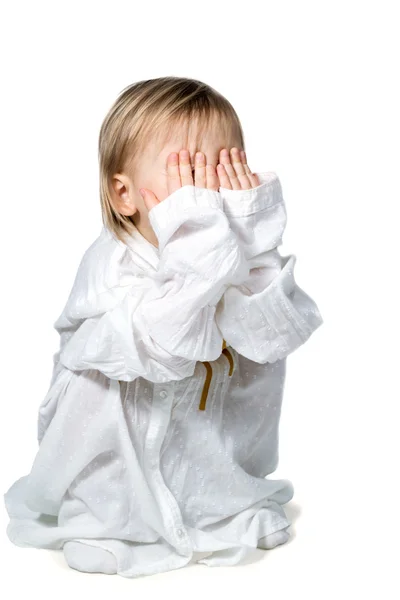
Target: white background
{"type": "Point", "coordinates": [316, 85]}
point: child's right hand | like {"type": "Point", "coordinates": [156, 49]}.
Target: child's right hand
{"type": "Point", "coordinates": [179, 173]}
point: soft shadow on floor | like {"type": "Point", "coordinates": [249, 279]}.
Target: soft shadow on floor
{"type": "Point", "coordinates": [293, 512]}
{"type": "Point", "coordinates": [58, 557]}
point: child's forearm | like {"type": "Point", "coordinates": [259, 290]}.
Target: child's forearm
{"type": "Point", "coordinates": [161, 324]}
{"type": "Point", "coordinates": [268, 316]}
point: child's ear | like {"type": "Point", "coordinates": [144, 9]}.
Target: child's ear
{"type": "Point", "coordinates": [122, 195]}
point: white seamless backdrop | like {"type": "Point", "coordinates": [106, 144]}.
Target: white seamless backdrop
{"type": "Point", "coordinates": [317, 89]}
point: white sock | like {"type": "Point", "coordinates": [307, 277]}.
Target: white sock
{"type": "Point", "coordinates": [274, 539]}
{"type": "Point", "coordinates": [89, 559]}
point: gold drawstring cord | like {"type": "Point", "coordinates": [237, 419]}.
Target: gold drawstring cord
{"type": "Point", "coordinates": [202, 405]}
{"type": "Point", "coordinates": [204, 394]}
{"type": "Point", "coordinates": [229, 357]}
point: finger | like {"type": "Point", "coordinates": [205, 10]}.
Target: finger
{"type": "Point", "coordinates": [212, 178]}
{"type": "Point", "coordinates": [224, 180]}
{"type": "Point", "coordinates": [185, 168]}
{"type": "Point", "coordinates": [225, 160]}
{"type": "Point", "coordinates": [238, 166]}
{"type": "Point", "coordinates": [255, 180]}
{"type": "Point", "coordinates": [252, 176]}
{"type": "Point", "coordinates": [173, 174]}
{"type": "Point", "coordinates": [200, 177]}
{"type": "Point", "coordinates": [150, 199]}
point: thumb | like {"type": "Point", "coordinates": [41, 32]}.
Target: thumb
{"type": "Point", "coordinates": [149, 198]}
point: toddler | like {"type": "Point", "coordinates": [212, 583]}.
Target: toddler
{"type": "Point", "coordinates": [161, 421]}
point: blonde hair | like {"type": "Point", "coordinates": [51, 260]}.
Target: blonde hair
{"type": "Point", "coordinates": [146, 109]}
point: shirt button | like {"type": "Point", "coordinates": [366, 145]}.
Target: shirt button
{"type": "Point", "coordinates": [180, 532]}
{"type": "Point", "coordinates": [163, 394]}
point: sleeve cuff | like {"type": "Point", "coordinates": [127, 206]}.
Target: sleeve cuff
{"type": "Point", "coordinates": [240, 203]}
{"type": "Point", "coordinates": [298, 309]}
{"type": "Point", "coordinates": [172, 212]}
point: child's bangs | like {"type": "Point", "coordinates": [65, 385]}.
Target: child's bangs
{"type": "Point", "coordinates": [193, 126]}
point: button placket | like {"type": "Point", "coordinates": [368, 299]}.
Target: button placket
{"type": "Point", "coordinates": [176, 527]}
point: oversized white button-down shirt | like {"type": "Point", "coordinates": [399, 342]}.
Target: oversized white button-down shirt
{"type": "Point", "coordinates": [161, 421]}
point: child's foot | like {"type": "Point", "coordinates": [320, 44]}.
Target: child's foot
{"type": "Point", "coordinates": [273, 539]}
{"type": "Point", "coordinates": [89, 559]}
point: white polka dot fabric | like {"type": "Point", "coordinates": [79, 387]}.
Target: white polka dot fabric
{"type": "Point", "coordinates": [161, 422]}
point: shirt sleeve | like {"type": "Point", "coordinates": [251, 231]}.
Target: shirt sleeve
{"type": "Point", "coordinates": [157, 326]}
{"type": "Point", "coordinates": [268, 316]}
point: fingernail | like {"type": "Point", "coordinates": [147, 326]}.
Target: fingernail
{"type": "Point", "coordinates": [142, 192]}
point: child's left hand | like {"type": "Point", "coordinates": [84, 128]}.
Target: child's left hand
{"type": "Point", "coordinates": [233, 171]}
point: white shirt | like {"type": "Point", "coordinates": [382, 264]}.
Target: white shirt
{"type": "Point", "coordinates": [161, 422]}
